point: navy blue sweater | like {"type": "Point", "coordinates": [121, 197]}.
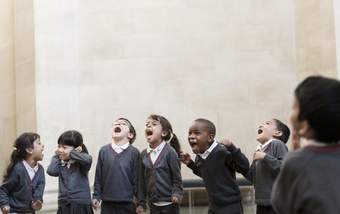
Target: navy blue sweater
{"type": "Point", "coordinates": [73, 181]}
{"type": "Point", "coordinates": [116, 176]}
{"type": "Point", "coordinates": [218, 173]}
{"type": "Point", "coordinates": [18, 191]}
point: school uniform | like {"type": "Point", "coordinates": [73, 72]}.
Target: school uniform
{"type": "Point", "coordinates": [116, 178]}
{"type": "Point", "coordinates": [74, 190]}
{"type": "Point", "coordinates": [160, 179]}
{"type": "Point", "coordinates": [308, 182]}
{"type": "Point", "coordinates": [217, 167]}
{"type": "Point", "coordinates": [262, 173]}
{"type": "Point", "coordinates": [24, 185]}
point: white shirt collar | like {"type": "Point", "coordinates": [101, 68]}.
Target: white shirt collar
{"type": "Point", "coordinates": [158, 149]}
{"type": "Point", "coordinates": [123, 147]}
{"type": "Point", "coordinates": [30, 170]}
{"type": "Point", "coordinates": [262, 147]}
{"type": "Point", "coordinates": [209, 150]}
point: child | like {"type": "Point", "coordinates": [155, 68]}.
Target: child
{"type": "Point", "coordinates": [160, 175]}
{"type": "Point", "coordinates": [216, 164]}
{"type": "Point", "coordinates": [308, 182]}
{"type": "Point", "coordinates": [272, 136]}
{"type": "Point", "coordinates": [71, 164]}
{"type": "Point", "coordinates": [116, 177]}
{"type": "Point", "coordinates": [24, 182]}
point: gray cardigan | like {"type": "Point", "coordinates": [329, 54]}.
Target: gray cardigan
{"type": "Point", "coordinates": [162, 180]}
{"type": "Point", "coordinates": [18, 191]}
{"type": "Point", "coordinates": [73, 181]}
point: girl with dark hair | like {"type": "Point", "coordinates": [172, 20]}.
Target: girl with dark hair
{"type": "Point", "coordinates": [160, 175]}
{"type": "Point", "coordinates": [71, 164]}
{"type": "Point", "coordinates": [24, 182]}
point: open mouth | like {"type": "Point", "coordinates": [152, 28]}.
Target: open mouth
{"type": "Point", "coordinates": [117, 130]}
{"type": "Point", "coordinates": [148, 132]}
{"type": "Point", "coordinates": [260, 131]}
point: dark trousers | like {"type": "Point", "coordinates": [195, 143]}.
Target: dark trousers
{"type": "Point", "coordinates": [118, 208]}
{"type": "Point", "coordinates": [264, 210]}
{"type": "Point", "coordinates": [168, 209]}
{"type": "Point", "coordinates": [235, 208]}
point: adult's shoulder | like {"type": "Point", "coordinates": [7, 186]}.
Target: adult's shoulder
{"type": "Point", "coordinates": [297, 160]}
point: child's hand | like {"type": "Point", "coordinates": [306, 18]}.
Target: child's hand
{"type": "Point", "coordinates": [295, 140]}
{"type": "Point", "coordinates": [226, 142]}
{"type": "Point", "coordinates": [185, 158]}
{"type": "Point", "coordinates": [174, 200]}
{"type": "Point", "coordinates": [5, 209]}
{"type": "Point", "coordinates": [95, 203]}
{"type": "Point", "coordinates": [259, 155]}
{"type": "Point", "coordinates": [37, 205]}
{"type": "Point", "coordinates": [79, 149]}
{"type": "Point", "coordinates": [139, 209]}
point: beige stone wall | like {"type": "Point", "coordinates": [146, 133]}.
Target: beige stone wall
{"type": "Point", "coordinates": [228, 61]}
{"type": "Point", "coordinates": [7, 82]}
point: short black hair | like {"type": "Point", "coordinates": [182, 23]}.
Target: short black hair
{"type": "Point", "coordinates": [280, 126]}
{"type": "Point", "coordinates": [210, 125]}
{"type": "Point", "coordinates": [131, 128]}
{"type": "Point", "coordinates": [318, 99]}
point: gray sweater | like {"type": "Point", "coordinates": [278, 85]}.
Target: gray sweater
{"type": "Point", "coordinates": [309, 182]}
{"type": "Point", "coordinates": [73, 181]}
{"type": "Point", "coordinates": [264, 172]}
{"type": "Point", "coordinates": [162, 180]}
{"type": "Point", "coordinates": [18, 191]}
{"type": "Point", "coordinates": [116, 178]}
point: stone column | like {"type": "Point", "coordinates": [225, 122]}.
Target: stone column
{"type": "Point", "coordinates": [315, 38]}
{"type": "Point", "coordinates": [7, 82]}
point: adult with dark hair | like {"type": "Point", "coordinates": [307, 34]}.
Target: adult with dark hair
{"type": "Point", "coordinates": [24, 182]}
{"type": "Point", "coordinates": [308, 182]}
{"type": "Point", "coordinates": [72, 164]}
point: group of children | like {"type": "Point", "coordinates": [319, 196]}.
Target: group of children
{"type": "Point", "coordinates": [126, 181]}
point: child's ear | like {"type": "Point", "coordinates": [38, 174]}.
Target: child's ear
{"type": "Point", "coordinates": [211, 138]}
{"type": "Point", "coordinates": [29, 150]}
{"type": "Point", "coordinates": [305, 130]}
{"type": "Point", "coordinates": [278, 133]}
{"type": "Point", "coordinates": [130, 135]}
{"type": "Point", "coordinates": [164, 134]}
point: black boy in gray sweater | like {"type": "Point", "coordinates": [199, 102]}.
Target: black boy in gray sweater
{"type": "Point", "coordinates": [116, 178]}
{"type": "Point", "coordinates": [217, 165]}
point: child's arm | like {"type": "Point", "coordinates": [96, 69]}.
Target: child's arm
{"type": "Point", "coordinates": [85, 160]}
{"type": "Point", "coordinates": [136, 173]}
{"type": "Point", "coordinates": [250, 175]}
{"type": "Point", "coordinates": [54, 167]}
{"type": "Point", "coordinates": [177, 186]}
{"type": "Point", "coordinates": [97, 186]}
{"type": "Point", "coordinates": [186, 159]}
{"type": "Point", "coordinates": [141, 192]}
{"type": "Point", "coordinates": [39, 191]}
{"type": "Point", "coordinates": [238, 160]}
{"type": "Point", "coordinates": [7, 187]}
